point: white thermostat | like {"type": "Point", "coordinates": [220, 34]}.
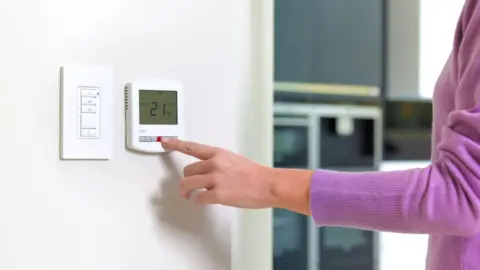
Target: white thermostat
{"type": "Point", "coordinates": [153, 109]}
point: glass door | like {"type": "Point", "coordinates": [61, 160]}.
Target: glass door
{"type": "Point", "coordinates": [346, 249]}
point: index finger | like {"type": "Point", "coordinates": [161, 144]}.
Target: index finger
{"type": "Point", "coordinates": [193, 149]}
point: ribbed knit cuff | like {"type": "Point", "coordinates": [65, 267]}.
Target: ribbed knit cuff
{"type": "Point", "coordinates": [370, 200]}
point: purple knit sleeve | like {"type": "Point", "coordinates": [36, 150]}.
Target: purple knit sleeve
{"type": "Point", "coordinates": [443, 198]}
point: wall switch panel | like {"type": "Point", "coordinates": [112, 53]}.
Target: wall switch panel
{"type": "Point", "coordinates": [86, 128]}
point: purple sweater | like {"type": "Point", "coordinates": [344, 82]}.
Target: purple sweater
{"type": "Point", "coordinates": [443, 199]}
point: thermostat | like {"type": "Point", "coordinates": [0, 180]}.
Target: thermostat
{"type": "Point", "coordinates": [153, 109]}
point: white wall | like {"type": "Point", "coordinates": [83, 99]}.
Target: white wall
{"type": "Point", "coordinates": [399, 251]}
{"type": "Point", "coordinates": [419, 46]}
{"type": "Point", "coordinates": [125, 213]}
{"type": "Point", "coordinates": [437, 30]}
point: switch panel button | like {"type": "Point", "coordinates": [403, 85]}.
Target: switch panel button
{"type": "Point", "coordinates": [89, 92]}
{"type": "Point", "coordinates": [85, 132]}
{"type": "Point", "coordinates": [89, 133]}
{"type": "Point", "coordinates": [88, 120]}
{"type": "Point", "coordinates": [89, 101]}
{"type": "Point", "coordinates": [89, 109]}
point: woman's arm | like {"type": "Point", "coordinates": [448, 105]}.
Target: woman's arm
{"type": "Point", "coordinates": [440, 199]}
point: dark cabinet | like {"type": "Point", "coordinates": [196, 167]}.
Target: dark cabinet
{"type": "Point", "coordinates": [355, 151]}
{"type": "Point", "coordinates": [290, 240]}
{"type": "Point", "coordinates": [294, 40]}
{"type": "Point", "coordinates": [329, 41]}
{"type": "Point", "coordinates": [291, 143]}
{"type": "Point", "coordinates": [408, 130]}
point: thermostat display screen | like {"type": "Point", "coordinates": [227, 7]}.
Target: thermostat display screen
{"type": "Point", "coordinates": [158, 107]}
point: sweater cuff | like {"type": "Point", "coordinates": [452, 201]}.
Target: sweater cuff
{"type": "Point", "coordinates": [362, 200]}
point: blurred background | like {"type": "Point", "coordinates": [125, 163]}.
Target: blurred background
{"type": "Point", "coordinates": [353, 86]}
{"type": "Point", "coordinates": [353, 82]}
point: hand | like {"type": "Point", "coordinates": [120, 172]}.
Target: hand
{"type": "Point", "coordinates": [229, 179]}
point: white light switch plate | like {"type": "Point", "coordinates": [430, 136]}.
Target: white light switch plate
{"type": "Point", "coordinates": [94, 140]}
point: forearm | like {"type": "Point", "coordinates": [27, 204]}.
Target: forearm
{"type": "Point", "coordinates": [291, 189]}
{"type": "Point", "coordinates": [438, 199]}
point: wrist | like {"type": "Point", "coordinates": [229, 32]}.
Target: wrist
{"type": "Point", "coordinates": [291, 189]}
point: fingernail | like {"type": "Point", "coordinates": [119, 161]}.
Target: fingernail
{"type": "Point", "coordinates": [165, 139]}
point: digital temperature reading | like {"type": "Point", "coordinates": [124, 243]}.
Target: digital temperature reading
{"type": "Point", "coordinates": [158, 107]}
{"type": "Point", "coordinates": [153, 110]}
